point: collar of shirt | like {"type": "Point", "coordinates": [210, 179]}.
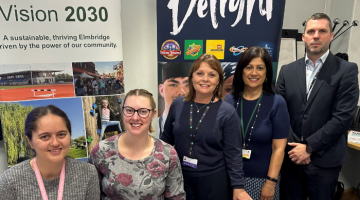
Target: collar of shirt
{"type": "Point", "coordinates": [311, 70]}
{"type": "Point", "coordinates": [318, 63]}
{"type": "Point", "coordinates": [164, 116]}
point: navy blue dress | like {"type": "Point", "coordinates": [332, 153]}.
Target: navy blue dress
{"type": "Point", "coordinates": [272, 122]}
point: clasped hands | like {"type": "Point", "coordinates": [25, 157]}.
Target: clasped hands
{"type": "Point", "coordinates": [298, 154]}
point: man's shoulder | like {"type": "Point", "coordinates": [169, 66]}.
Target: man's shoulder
{"type": "Point", "coordinates": [341, 62]}
{"type": "Point", "coordinates": [294, 63]}
{"type": "Point", "coordinates": [178, 101]}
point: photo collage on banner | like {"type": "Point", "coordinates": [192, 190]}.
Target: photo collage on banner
{"type": "Point", "coordinates": [187, 29]}
{"type": "Point", "coordinates": [65, 54]}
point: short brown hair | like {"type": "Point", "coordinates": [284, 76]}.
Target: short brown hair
{"type": "Point", "coordinates": [143, 93]}
{"type": "Point", "coordinates": [317, 16]}
{"type": "Point", "coordinates": [214, 63]}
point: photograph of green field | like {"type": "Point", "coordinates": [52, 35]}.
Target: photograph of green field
{"type": "Point", "coordinates": [13, 115]}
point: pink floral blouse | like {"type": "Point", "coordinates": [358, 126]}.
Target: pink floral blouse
{"type": "Point", "coordinates": [155, 177]}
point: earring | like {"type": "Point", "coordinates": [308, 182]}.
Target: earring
{"type": "Point", "coordinates": [265, 80]}
{"type": "Point", "coordinates": [217, 87]}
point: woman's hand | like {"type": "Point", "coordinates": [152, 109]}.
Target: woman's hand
{"type": "Point", "coordinates": [268, 190]}
{"type": "Point", "coordinates": [241, 194]}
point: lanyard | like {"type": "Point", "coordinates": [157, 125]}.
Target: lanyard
{"type": "Point", "coordinates": [258, 104]}
{"type": "Point", "coordinates": [41, 183]}
{"type": "Point", "coordinates": [192, 135]}
{"type": "Point", "coordinates": [313, 82]}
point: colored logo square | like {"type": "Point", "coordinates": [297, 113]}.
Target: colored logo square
{"type": "Point", "coordinates": [215, 47]}
{"type": "Point", "coordinates": [170, 49]}
{"type": "Point", "coordinates": [193, 49]}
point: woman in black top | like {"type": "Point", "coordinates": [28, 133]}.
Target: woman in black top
{"type": "Point", "coordinates": [205, 132]}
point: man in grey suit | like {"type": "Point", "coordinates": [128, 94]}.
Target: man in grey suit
{"type": "Point", "coordinates": [321, 92]}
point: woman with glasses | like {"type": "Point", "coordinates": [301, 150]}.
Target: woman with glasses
{"type": "Point", "coordinates": [205, 132]}
{"type": "Point", "coordinates": [135, 165]}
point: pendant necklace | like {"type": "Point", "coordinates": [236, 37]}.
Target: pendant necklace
{"type": "Point", "coordinates": [198, 109]}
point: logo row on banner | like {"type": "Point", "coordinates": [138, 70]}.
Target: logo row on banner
{"type": "Point", "coordinates": [192, 49]}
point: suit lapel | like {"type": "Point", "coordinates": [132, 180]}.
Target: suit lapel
{"type": "Point", "coordinates": [324, 72]}
{"type": "Point", "coordinates": [302, 78]}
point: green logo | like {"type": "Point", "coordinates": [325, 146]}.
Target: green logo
{"type": "Point", "coordinates": [193, 49]}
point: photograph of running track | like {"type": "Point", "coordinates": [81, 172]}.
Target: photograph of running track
{"type": "Point", "coordinates": [36, 81]}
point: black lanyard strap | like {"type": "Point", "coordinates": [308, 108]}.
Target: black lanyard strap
{"type": "Point", "coordinates": [193, 134]}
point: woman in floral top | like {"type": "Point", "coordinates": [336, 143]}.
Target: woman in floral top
{"type": "Point", "coordinates": [135, 165]}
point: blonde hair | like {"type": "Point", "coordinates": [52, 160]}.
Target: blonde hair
{"type": "Point", "coordinates": [143, 93]}
{"type": "Point", "coordinates": [108, 107]}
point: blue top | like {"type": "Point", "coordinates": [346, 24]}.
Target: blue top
{"type": "Point", "coordinates": [273, 122]}
{"type": "Point", "coordinates": [217, 142]}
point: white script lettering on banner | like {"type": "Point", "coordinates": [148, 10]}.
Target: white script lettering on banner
{"type": "Point", "coordinates": [202, 5]}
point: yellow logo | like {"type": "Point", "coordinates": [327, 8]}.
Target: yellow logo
{"type": "Point", "coordinates": [216, 47]}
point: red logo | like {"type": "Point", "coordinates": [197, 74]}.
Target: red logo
{"type": "Point", "coordinates": [170, 49]}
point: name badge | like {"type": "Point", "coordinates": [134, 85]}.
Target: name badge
{"type": "Point", "coordinates": [191, 162]}
{"type": "Point", "coordinates": [246, 153]}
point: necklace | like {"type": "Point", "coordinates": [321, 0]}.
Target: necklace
{"type": "Point", "coordinates": [257, 106]}
{"type": "Point", "coordinates": [198, 109]}
{"type": "Point", "coordinates": [193, 134]}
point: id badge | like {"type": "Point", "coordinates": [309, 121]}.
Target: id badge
{"type": "Point", "coordinates": [191, 162]}
{"type": "Point", "coordinates": [246, 153]}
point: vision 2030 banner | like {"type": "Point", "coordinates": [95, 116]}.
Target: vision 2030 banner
{"type": "Point", "coordinates": [66, 53]}
{"type": "Point", "coordinates": [225, 28]}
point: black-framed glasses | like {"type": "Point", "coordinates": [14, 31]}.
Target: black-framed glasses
{"type": "Point", "coordinates": [142, 112]}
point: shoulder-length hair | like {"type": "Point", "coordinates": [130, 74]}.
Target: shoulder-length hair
{"type": "Point", "coordinates": [245, 59]}
{"type": "Point", "coordinates": [214, 63]}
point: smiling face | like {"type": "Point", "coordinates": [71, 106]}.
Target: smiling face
{"type": "Point", "coordinates": [135, 124]}
{"type": "Point", "coordinates": [173, 88]}
{"type": "Point", "coordinates": [105, 103]}
{"type": "Point", "coordinates": [50, 139]}
{"type": "Point", "coordinates": [254, 74]}
{"type": "Point", "coordinates": [205, 80]}
{"type": "Point", "coordinates": [317, 37]}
